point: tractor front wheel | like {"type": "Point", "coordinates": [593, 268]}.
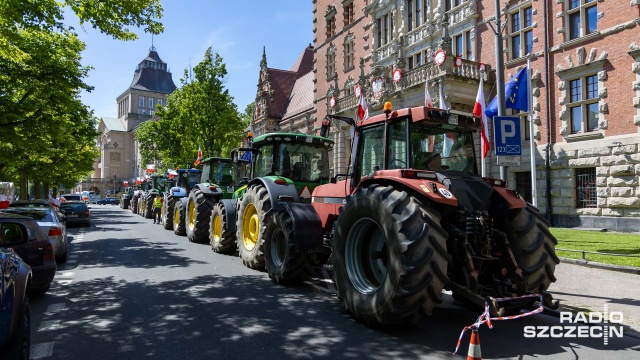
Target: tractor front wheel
{"type": "Point", "coordinates": [198, 214]}
{"type": "Point", "coordinates": [178, 218]}
{"type": "Point", "coordinates": [389, 256]}
{"type": "Point", "coordinates": [167, 212]}
{"type": "Point", "coordinates": [284, 263]}
{"type": "Point", "coordinates": [253, 217]}
{"type": "Point", "coordinates": [222, 239]}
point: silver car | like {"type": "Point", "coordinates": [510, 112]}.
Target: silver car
{"type": "Point", "coordinates": [51, 223]}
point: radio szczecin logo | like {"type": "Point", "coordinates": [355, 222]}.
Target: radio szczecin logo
{"type": "Point", "coordinates": [594, 324]}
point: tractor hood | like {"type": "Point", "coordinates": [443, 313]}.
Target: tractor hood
{"type": "Point", "coordinates": [472, 191]}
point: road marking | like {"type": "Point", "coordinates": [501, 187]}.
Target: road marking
{"type": "Point", "coordinates": [48, 325]}
{"type": "Point", "coordinates": [65, 274]}
{"type": "Point", "coordinates": [41, 350]}
{"type": "Point", "coordinates": [55, 308]}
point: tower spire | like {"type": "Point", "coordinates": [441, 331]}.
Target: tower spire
{"type": "Point", "coordinates": [152, 48]}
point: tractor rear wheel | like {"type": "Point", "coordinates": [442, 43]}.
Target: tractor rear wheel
{"type": "Point", "coordinates": [389, 256]}
{"type": "Point", "coordinates": [134, 205]}
{"type": "Point", "coordinates": [284, 263]}
{"type": "Point", "coordinates": [198, 215]}
{"type": "Point", "coordinates": [178, 218]}
{"type": "Point", "coordinates": [167, 212]}
{"type": "Point", "coordinates": [222, 239]}
{"type": "Point", "coordinates": [533, 246]}
{"type": "Point", "coordinates": [253, 216]}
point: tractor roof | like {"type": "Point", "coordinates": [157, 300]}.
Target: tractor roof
{"type": "Point", "coordinates": [448, 120]}
{"type": "Point", "coordinates": [292, 137]}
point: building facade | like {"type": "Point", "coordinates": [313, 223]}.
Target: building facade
{"type": "Point", "coordinates": [119, 158]}
{"type": "Point", "coordinates": [284, 98]}
{"type": "Point", "coordinates": [584, 74]}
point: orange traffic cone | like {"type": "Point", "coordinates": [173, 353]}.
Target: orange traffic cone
{"type": "Point", "coordinates": [474, 346]}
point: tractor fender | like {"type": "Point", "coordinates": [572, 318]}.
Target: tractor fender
{"type": "Point", "coordinates": [206, 190]}
{"type": "Point", "coordinates": [178, 191]}
{"type": "Point", "coordinates": [278, 193]}
{"type": "Point", "coordinates": [307, 225]}
{"type": "Point", "coordinates": [230, 209]}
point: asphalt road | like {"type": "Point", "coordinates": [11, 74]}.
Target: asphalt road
{"type": "Point", "coordinates": [132, 290]}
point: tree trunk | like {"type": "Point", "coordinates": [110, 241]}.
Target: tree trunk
{"type": "Point", "coordinates": [24, 184]}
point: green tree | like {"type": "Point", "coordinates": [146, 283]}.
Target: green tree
{"type": "Point", "coordinates": [201, 113]}
{"type": "Point", "coordinates": [41, 77]}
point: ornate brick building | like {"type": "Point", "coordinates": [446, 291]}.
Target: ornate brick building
{"type": "Point", "coordinates": [585, 76]}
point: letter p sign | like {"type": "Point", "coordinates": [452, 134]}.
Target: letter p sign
{"type": "Point", "coordinates": [507, 129]}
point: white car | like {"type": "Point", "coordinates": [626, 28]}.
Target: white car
{"type": "Point", "coordinates": [50, 222]}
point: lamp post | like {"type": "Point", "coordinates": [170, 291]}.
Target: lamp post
{"type": "Point", "coordinates": [114, 183]}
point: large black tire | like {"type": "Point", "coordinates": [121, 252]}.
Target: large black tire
{"type": "Point", "coordinates": [222, 239]}
{"type": "Point", "coordinates": [253, 216]}
{"type": "Point", "coordinates": [389, 256]}
{"type": "Point", "coordinates": [167, 212]}
{"type": "Point", "coordinates": [178, 219]}
{"type": "Point", "coordinates": [533, 246]}
{"type": "Point", "coordinates": [20, 348]}
{"type": "Point", "coordinates": [148, 207]}
{"type": "Point", "coordinates": [198, 215]}
{"type": "Point", "coordinates": [134, 205]}
{"type": "Point", "coordinates": [283, 262]}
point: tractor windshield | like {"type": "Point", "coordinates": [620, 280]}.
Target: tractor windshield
{"type": "Point", "coordinates": [297, 161]}
{"type": "Point", "coordinates": [223, 174]}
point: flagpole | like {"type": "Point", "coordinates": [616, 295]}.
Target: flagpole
{"type": "Point", "coordinates": [482, 115]}
{"type": "Point", "coordinates": [534, 198]}
{"type": "Point", "coordinates": [500, 76]}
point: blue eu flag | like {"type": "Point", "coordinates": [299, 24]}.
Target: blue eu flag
{"type": "Point", "coordinates": [517, 95]}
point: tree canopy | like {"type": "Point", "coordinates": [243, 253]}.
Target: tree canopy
{"type": "Point", "coordinates": [45, 129]}
{"type": "Point", "coordinates": [199, 114]}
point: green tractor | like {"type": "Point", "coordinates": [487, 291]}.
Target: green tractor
{"type": "Point", "coordinates": [220, 178]}
{"type": "Point", "coordinates": [127, 195]}
{"type": "Point", "coordinates": [180, 182]}
{"type": "Point", "coordinates": [155, 186]}
{"type": "Point", "coordinates": [287, 167]}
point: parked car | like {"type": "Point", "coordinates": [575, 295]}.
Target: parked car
{"type": "Point", "coordinates": [109, 200]}
{"type": "Point", "coordinates": [51, 222]}
{"type": "Point", "coordinates": [22, 234]}
{"type": "Point", "coordinates": [71, 197]}
{"type": "Point", "coordinates": [77, 212]}
{"type": "Point", "coordinates": [15, 327]}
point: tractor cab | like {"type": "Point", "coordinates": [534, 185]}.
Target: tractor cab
{"type": "Point", "coordinates": [301, 158]}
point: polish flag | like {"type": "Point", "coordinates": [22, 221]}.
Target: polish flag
{"type": "Point", "coordinates": [199, 159]}
{"type": "Point", "coordinates": [478, 110]}
{"type": "Point", "coordinates": [363, 110]}
{"type": "Point", "coordinates": [427, 97]}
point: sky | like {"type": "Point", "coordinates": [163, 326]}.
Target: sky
{"type": "Point", "coordinates": [237, 30]}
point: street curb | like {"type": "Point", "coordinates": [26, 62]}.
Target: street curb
{"type": "Point", "coordinates": [597, 265]}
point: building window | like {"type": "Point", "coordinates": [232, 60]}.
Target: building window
{"type": "Point", "coordinates": [331, 63]}
{"type": "Point", "coordinates": [151, 102]}
{"type": "Point", "coordinates": [349, 14]}
{"type": "Point", "coordinates": [459, 49]}
{"type": "Point", "coordinates": [583, 104]}
{"type": "Point", "coordinates": [159, 102]}
{"type": "Point", "coordinates": [141, 110]}
{"type": "Point", "coordinates": [385, 30]}
{"type": "Point", "coordinates": [349, 52]}
{"type": "Point", "coordinates": [521, 32]}
{"type": "Point", "coordinates": [414, 13]}
{"type": "Point", "coordinates": [414, 60]}
{"type": "Point", "coordinates": [151, 112]}
{"type": "Point", "coordinates": [582, 17]}
{"type": "Point", "coordinates": [586, 193]}
{"type": "Point", "coordinates": [450, 4]}
{"type": "Point", "coordinates": [526, 134]}
{"type": "Point", "coordinates": [410, 62]}
{"type": "Point", "coordinates": [141, 101]}
{"type": "Point", "coordinates": [469, 51]}
{"type": "Point", "coordinates": [331, 27]}
{"type": "Point", "coordinates": [462, 45]}
{"type": "Point", "coordinates": [523, 185]}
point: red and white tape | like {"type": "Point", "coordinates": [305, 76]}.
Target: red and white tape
{"type": "Point", "coordinates": [486, 315]}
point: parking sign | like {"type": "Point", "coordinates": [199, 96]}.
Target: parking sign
{"type": "Point", "coordinates": [506, 131]}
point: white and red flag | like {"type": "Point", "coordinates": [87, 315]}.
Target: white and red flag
{"type": "Point", "coordinates": [428, 101]}
{"type": "Point", "coordinates": [199, 159]}
{"type": "Point", "coordinates": [363, 110]}
{"type": "Point", "coordinates": [478, 110]}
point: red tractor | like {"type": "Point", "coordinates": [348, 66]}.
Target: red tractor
{"type": "Point", "coordinates": [413, 218]}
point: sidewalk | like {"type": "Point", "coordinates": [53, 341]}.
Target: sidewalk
{"type": "Point", "coordinates": [588, 289]}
